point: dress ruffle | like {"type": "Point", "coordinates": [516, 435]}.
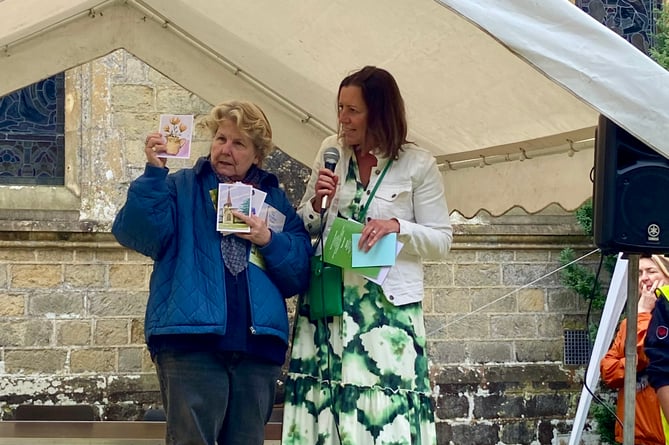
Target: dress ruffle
{"type": "Point", "coordinates": [361, 378]}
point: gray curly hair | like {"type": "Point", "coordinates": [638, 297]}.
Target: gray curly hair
{"type": "Point", "coordinates": [251, 121]}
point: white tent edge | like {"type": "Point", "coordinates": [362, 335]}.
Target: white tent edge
{"type": "Point", "coordinates": [615, 302]}
{"type": "Point", "coordinates": [602, 69]}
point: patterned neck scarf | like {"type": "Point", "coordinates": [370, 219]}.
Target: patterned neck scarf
{"type": "Point", "coordinates": [234, 248]}
{"type": "Point", "coordinates": [253, 177]}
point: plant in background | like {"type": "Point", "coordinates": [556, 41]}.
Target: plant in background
{"type": "Point", "coordinates": [580, 278]}
{"type": "Point", "coordinates": [584, 282]}
{"type": "Point", "coordinates": [606, 422]}
{"type": "Point", "coordinates": [660, 49]}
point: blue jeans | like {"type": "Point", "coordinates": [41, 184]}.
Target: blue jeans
{"type": "Point", "coordinates": [215, 398]}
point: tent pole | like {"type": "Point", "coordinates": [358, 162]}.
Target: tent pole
{"type": "Point", "coordinates": [630, 349]}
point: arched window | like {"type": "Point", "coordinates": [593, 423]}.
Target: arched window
{"type": "Point", "coordinates": [32, 134]}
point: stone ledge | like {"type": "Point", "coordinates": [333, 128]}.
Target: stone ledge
{"type": "Point", "coordinates": [472, 238]}
{"type": "Point", "coordinates": [514, 377]}
{"type": "Point", "coordinates": [37, 238]}
{"type": "Point", "coordinates": [46, 221]}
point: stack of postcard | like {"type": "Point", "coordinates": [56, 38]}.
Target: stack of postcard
{"type": "Point", "coordinates": [239, 197]}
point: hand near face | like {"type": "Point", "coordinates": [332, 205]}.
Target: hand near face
{"type": "Point", "coordinates": [154, 145]}
{"type": "Point", "coordinates": [647, 297]}
{"type": "Point", "coordinates": [260, 235]}
{"type": "Point", "coordinates": [650, 278]}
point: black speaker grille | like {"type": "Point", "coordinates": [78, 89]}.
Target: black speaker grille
{"type": "Point", "coordinates": [644, 205]}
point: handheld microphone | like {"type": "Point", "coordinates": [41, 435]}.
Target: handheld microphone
{"type": "Point", "coordinates": [330, 159]}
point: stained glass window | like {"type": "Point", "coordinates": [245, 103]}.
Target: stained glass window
{"type": "Point", "coordinates": [632, 19]}
{"type": "Point", "coordinates": [32, 134]}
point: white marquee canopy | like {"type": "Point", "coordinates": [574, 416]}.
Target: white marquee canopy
{"type": "Point", "coordinates": [510, 85]}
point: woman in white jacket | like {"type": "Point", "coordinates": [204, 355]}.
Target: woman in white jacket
{"type": "Point", "coordinates": [363, 377]}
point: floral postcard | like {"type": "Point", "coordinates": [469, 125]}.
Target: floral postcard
{"type": "Point", "coordinates": [178, 131]}
{"type": "Point", "coordinates": [231, 197]}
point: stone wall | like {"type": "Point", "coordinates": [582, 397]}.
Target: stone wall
{"type": "Point", "coordinates": [72, 300]}
{"type": "Point", "coordinates": [72, 310]}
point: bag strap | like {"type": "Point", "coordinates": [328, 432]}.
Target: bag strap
{"type": "Point", "coordinates": [371, 195]}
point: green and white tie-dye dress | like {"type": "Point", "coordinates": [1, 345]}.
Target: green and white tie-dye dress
{"type": "Point", "coordinates": [362, 378]}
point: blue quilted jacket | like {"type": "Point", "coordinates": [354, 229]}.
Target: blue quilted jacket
{"type": "Point", "coordinates": [172, 219]}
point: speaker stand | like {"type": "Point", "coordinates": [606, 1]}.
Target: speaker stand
{"type": "Point", "coordinates": [630, 347]}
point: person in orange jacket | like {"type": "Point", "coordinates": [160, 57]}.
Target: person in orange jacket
{"type": "Point", "coordinates": [648, 421]}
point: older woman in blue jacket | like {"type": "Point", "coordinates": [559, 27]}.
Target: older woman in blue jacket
{"type": "Point", "coordinates": [216, 322]}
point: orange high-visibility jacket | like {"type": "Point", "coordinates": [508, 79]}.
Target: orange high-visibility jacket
{"type": "Point", "coordinates": [648, 422]}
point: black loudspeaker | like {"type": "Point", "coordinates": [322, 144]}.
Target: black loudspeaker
{"type": "Point", "coordinates": [631, 193]}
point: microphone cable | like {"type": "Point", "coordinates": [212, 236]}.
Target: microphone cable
{"type": "Point", "coordinates": [322, 324]}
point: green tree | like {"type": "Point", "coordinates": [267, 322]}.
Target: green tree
{"type": "Point", "coordinates": [584, 282]}
{"type": "Point", "coordinates": [660, 49]}
{"type": "Point", "coordinates": [579, 278]}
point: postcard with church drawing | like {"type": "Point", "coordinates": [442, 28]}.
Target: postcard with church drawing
{"type": "Point", "coordinates": [231, 197]}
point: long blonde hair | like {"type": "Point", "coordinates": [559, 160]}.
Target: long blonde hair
{"type": "Point", "coordinates": [662, 262]}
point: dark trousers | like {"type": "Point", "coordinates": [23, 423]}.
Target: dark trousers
{"type": "Point", "coordinates": [215, 398]}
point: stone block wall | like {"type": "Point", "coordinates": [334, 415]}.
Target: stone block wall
{"type": "Point", "coordinates": [495, 317]}
{"type": "Point", "coordinates": [71, 331]}
{"type": "Point", "coordinates": [71, 322]}
{"type": "Point", "coordinates": [482, 307]}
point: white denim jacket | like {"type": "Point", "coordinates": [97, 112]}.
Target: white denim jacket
{"type": "Point", "coordinates": [411, 192]}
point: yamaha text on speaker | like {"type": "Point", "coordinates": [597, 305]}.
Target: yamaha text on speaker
{"type": "Point", "coordinates": [631, 193]}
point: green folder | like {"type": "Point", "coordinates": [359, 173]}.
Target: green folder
{"type": "Point", "coordinates": [338, 247]}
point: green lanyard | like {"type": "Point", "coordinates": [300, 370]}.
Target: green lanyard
{"type": "Point", "coordinates": [371, 195]}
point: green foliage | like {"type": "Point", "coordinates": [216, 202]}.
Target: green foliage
{"type": "Point", "coordinates": [660, 49]}
{"type": "Point", "coordinates": [584, 217]}
{"type": "Point", "coordinates": [581, 280]}
{"type": "Point", "coordinates": [577, 277]}
{"type": "Point", "coordinates": [610, 263]}
{"type": "Point", "coordinates": [606, 421]}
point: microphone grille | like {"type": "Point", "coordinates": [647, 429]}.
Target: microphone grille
{"type": "Point", "coordinates": [331, 154]}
